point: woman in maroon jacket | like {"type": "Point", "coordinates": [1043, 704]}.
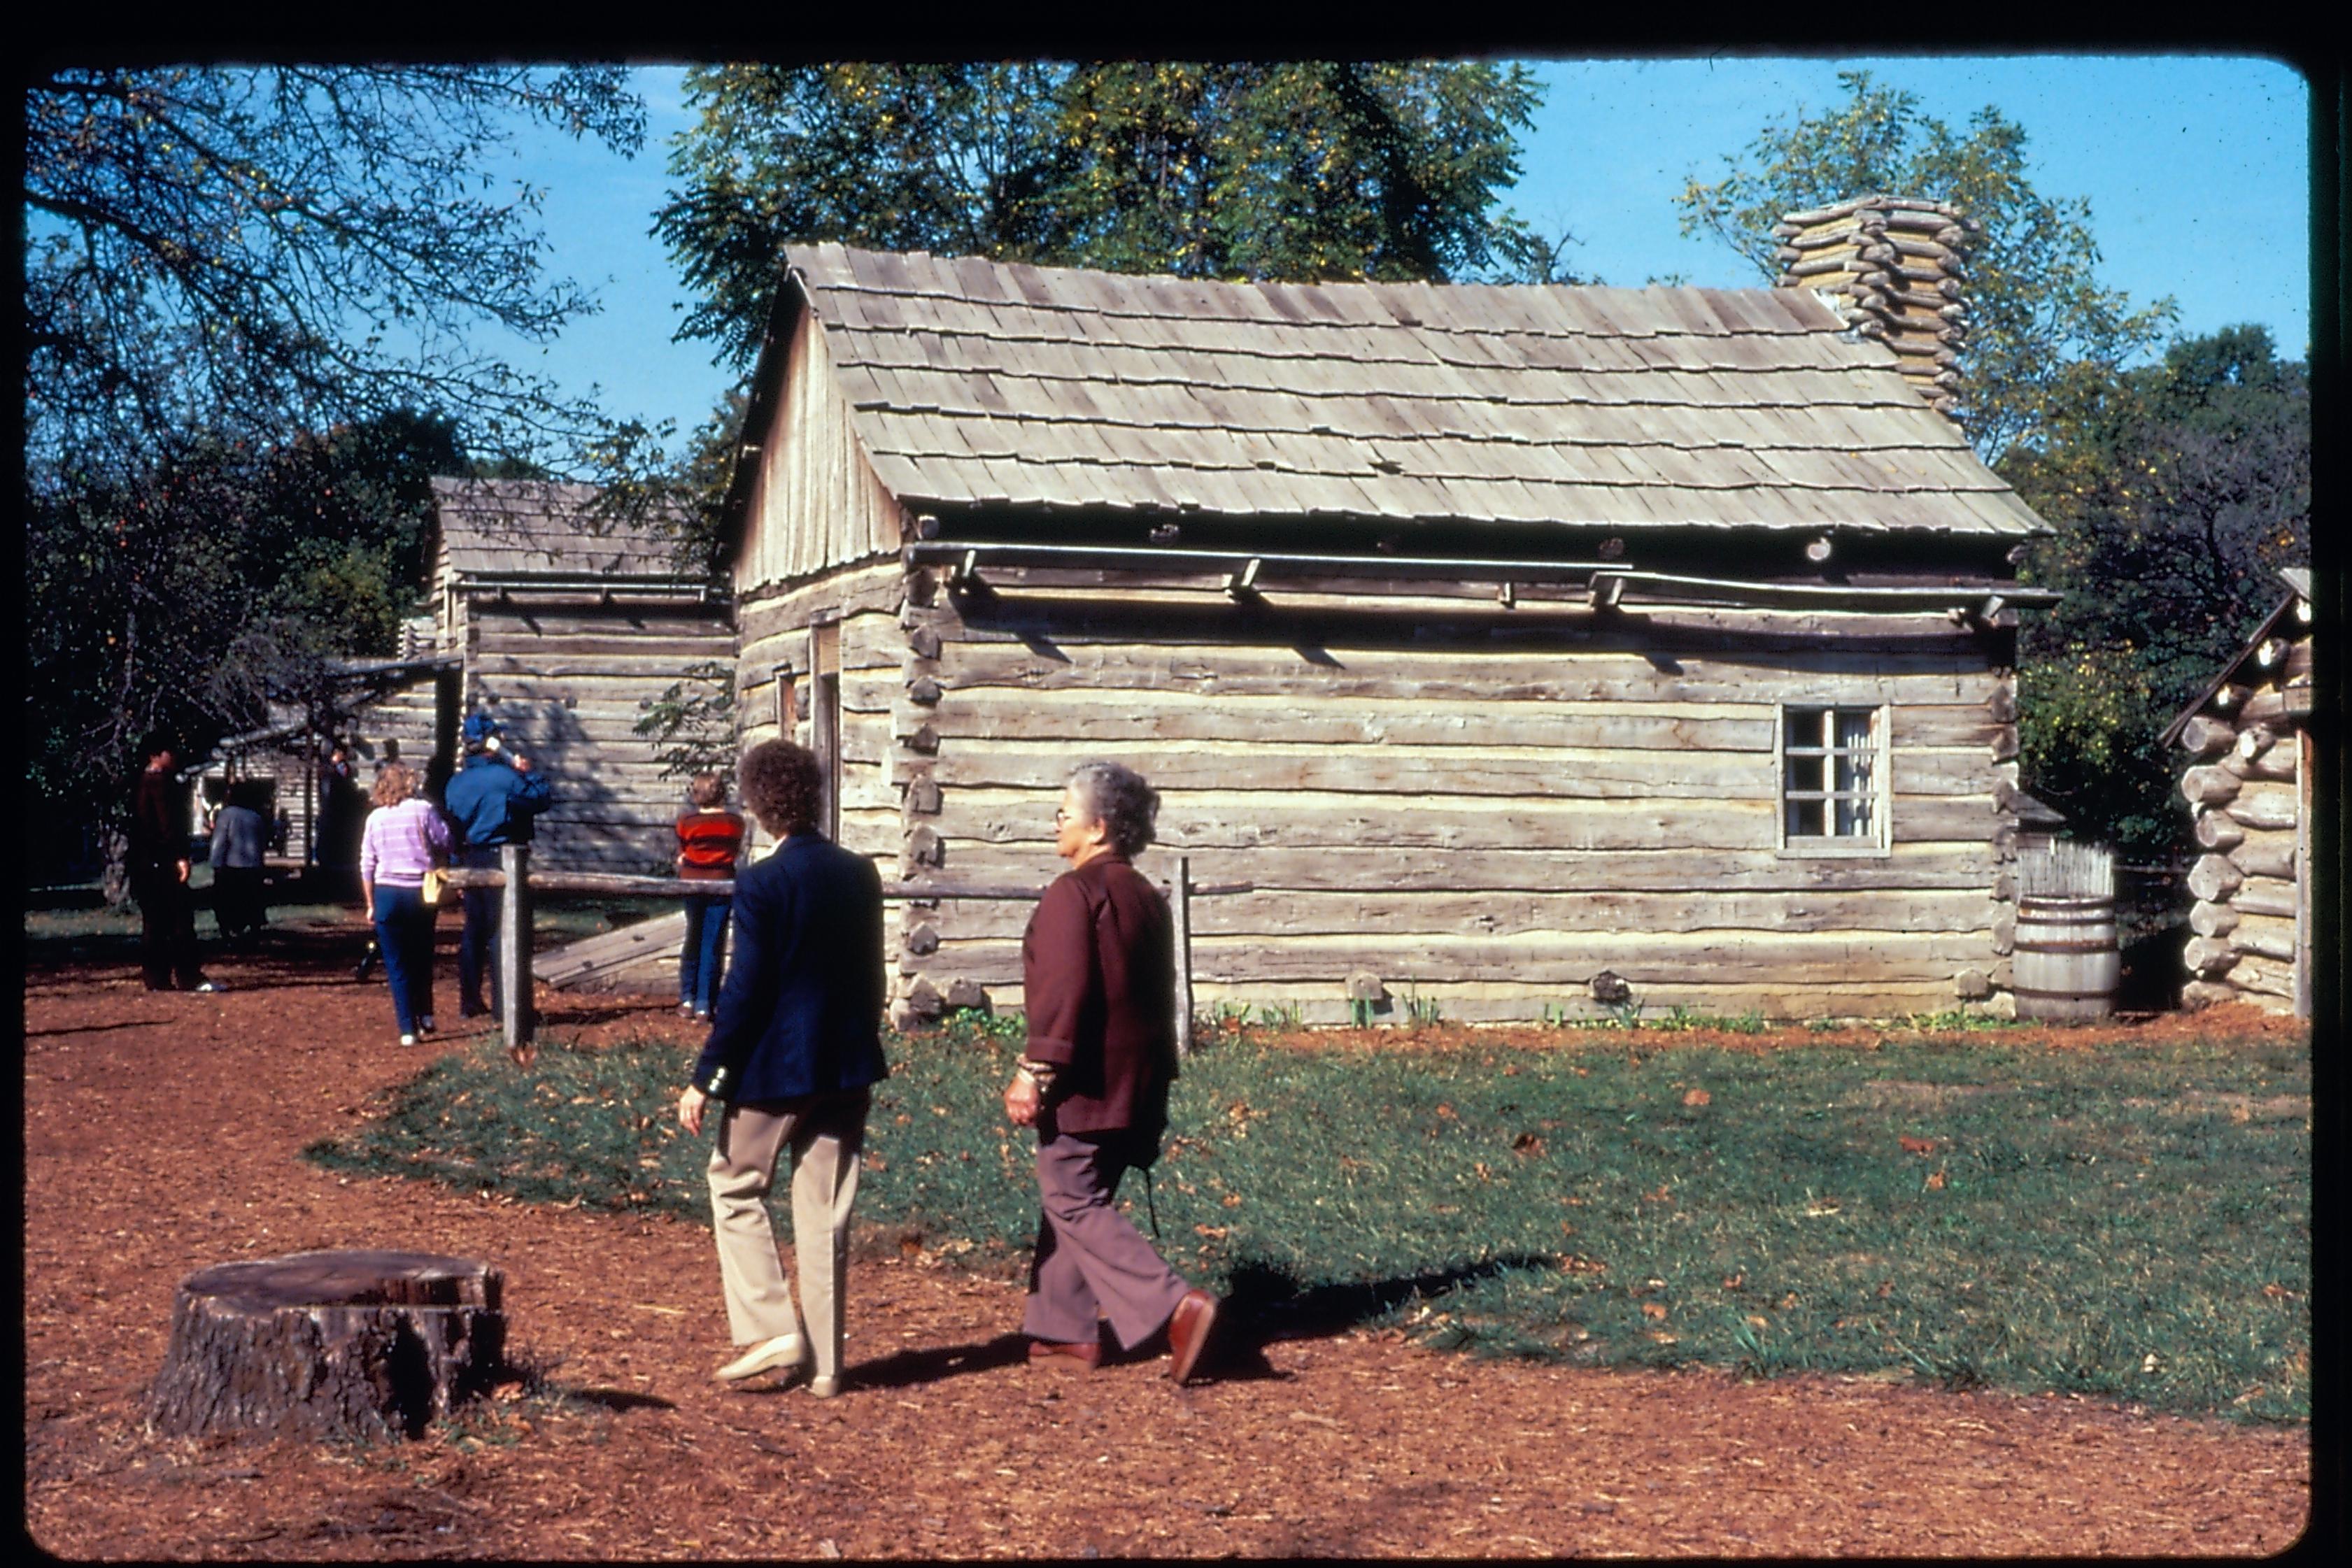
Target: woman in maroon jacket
{"type": "Point", "coordinates": [1098, 977]}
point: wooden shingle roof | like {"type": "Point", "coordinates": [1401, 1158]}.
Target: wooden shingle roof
{"type": "Point", "coordinates": [511, 528]}
{"type": "Point", "coordinates": [976, 382]}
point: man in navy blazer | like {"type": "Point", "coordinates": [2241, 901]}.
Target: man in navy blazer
{"type": "Point", "coordinates": [794, 1047]}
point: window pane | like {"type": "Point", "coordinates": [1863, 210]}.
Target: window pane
{"type": "Point", "coordinates": [1805, 818]}
{"type": "Point", "coordinates": [1853, 727]}
{"type": "Point", "coordinates": [1854, 817]}
{"type": "Point", "coordinates": [1803, 772]}
{"type": "Point", "coordinates": [1802, 726]}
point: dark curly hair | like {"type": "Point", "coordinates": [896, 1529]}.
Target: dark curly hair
{"type": "Point", "coordinates": [782, 785]}
{"type": "Point", "coordinates": [1127, 805]}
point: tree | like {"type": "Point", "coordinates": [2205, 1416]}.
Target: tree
{"type": "Point", "coordinates": [2177, 490]}
{"type": "Point", "coordinates": [691, 726]}
{"type": "Point", "coordinates": [240, 283]}
{"type": "Point", "coordinates": [189, 594]}
{"type": "Point", "coordinates": [1297, 171]}
{"type": "Point", "coordinates": [254, 252]}
{"type": "Point", "coordinates": [2039, 321]}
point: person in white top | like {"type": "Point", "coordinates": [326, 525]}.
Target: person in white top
{"type": "Point", "coordinates": [406, 837]}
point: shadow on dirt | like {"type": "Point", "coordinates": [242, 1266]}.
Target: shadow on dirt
{"type": "Point", "coordinates": [617, 1399]}
{"type": "Point", "coordinates": [910, 1368]}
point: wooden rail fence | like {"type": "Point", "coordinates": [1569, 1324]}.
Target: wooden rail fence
{"type": "Point", "coordinates": [518, 883]}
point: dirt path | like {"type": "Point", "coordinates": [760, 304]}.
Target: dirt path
{"type": "Point", "coordinates": [162, 1135]}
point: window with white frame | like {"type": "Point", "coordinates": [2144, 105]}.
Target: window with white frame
{"type": "Point", "coordinates": [1833, 778]}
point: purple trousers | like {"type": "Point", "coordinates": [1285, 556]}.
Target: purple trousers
{"type": "Point", "coordinates": [1091, 1262]}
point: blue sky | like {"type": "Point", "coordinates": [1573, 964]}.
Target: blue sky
{"type": "Point", "coordinates": [2196, 168]}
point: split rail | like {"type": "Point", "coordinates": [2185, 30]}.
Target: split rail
{"type": "Point", "coordinates": [518, 883]}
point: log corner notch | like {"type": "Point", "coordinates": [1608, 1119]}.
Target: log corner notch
{"type": "Point", "coordinates": [357, 1346]}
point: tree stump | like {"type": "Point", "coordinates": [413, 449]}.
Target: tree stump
{"type": "Point", "coordinates": [329, 1344]}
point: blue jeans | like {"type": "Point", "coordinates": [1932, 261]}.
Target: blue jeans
{"type": "Point", "coordinates": [403, 932]}
{"type": "Point", "coordinates": [478, 944]}
{"type": "Point", "coordinates": [703, 960]}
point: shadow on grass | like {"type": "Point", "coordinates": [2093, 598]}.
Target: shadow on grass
{"type": "Point", "coordinates": [1268, 1304]}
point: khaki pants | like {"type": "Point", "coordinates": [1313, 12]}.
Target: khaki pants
{"type": "Point", "coordinates": [826, 1134]}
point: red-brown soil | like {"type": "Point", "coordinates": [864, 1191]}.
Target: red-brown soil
{"type": "Point", "coordinates": [162, 1135]}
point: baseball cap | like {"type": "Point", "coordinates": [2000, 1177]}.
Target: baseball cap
{"type": "Point", "coordinates": [480, 728]}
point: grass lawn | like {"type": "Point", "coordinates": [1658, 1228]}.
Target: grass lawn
{"type": "Point", "coordinates": [2125, 1220]}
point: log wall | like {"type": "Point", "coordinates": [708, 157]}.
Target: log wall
{"type": "Point", "coordinates": [2248, 796]}
{"type": "Point", "coordinates": [774, 636]}
{"type": "Point", "coordinates": [1485, 814]}
{"type": "Point", "coordinates": [566, 676]}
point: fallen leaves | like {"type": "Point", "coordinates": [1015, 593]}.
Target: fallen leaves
{"type": "Point", "coordinates": [1697, 1097]}
{"type": "Point", "coordinates": [1912, 1145]}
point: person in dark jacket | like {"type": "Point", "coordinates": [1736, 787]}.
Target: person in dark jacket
{"type": "Point", "coordinates": [492, 801]}
{"type": "Point", "coordinates": [159, 871]}
{"type": "Point", "coordinates": [793, 1055]}
{"type": "Point", "coordinates": [239, 838]}
{"type": "Point", "coordinates": [1099, 979]}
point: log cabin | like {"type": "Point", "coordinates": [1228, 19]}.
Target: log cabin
{"type": "Point", "coordinates": [2250, 797]}
{"type": "Point", "coordinates": [563, 624]}
{"type": "Point", "coordinates": [1515, 653]}
{"type": "Point", "coordinates": [404, 708]}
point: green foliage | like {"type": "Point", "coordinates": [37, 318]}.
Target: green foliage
{"type": "Point", "coordinates": [1297, 171]}
{"type": "Point", "coordinates": [256, 252]}
{"type": "Point", "coordinates": [240, 284]}
{"type": "Point", "coordinates": [2039, 320]}
{"type": "Point", "coordinates": [221, 577]}
{"type": "Point", "coordinates": [2129, 1221]}
{"type": "Point", "coordinates": [2176, 491]}
{"type": "Point", "coordinates": [691, 725]}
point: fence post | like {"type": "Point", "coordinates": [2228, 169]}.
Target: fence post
{"type": "Point", "coordinates": [517, 1017]}
{"type": "Point", "coordinates": [1183, 913]}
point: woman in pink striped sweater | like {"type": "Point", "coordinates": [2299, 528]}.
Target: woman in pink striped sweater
{"type": "Point", "coordinates": [406, 837]}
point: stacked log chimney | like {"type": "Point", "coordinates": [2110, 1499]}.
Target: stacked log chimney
{"type": "Point", "coordinates": [1893, 267]}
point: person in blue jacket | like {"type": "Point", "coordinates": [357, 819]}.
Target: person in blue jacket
{"type": "Point", "coordinates": [492, 801]}
{"type": "Point", "coordinates": [792, 1053]}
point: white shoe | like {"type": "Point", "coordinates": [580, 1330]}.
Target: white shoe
{"type": "Point", "coordinates": [823, 1388]}
{"type": "Point", "coordinates": [408, 1040]}
{"type": "Point", "coordinates": [783, 1351]}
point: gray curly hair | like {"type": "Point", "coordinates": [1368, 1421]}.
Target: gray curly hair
{"type": "Point", "coordinates": [1127, 805]}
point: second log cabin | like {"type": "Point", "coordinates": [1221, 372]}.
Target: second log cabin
{"type": "Point", "coordinates": [1523, 651]}
{"type": "Point", "coordinates": [562, 623]}
{"type": "Point", "coordinates": [2250, 795]}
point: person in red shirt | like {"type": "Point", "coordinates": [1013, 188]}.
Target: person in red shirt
{"type": "Point", "coordinates": [709, 838]}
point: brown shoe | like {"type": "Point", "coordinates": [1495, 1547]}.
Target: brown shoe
{"type": "Point", "coordinates": [1068, 1356]}
{"type": "Point", "coordinates": [1188, 1333]}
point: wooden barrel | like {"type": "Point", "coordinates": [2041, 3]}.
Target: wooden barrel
{"type": "Point", "coordinates": [2066, 963]}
